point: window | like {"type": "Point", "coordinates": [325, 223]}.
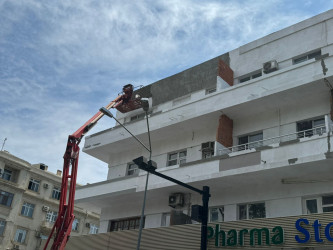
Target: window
{"type": "Point", "coordinates": [6, 198]}
{"type": "Point", "coordinates": [34, 185]}
{"type": "Point", "coordinates": [306, 57]}
{"type": "Point", "coordinates": [51, 216]}
{"type": "Point", "coordinates": [251, 211]}
{"type": "Point", "coordinates": [216, 214]}
{"type": "Point", "coordinates": [207, 149]}
{"type": "Point", "coordinates": [177, 158]}
{"type": "Point", "coordinates": [56, 193]}
{"type": "Point", "coordinates": [75, 225]}
{"type": "Point", "coordinates": [250, 76]}
{"type": "Point", "coordinates": [138, 117]}
{"type": "Point", "coordinates": [166, 220]}
{"type": "Point", "coordinates": [250, 141]}
{"type": "Point", "coordinates": [27, 209]}
{"type": "Point", "coordinates": [321, 204]}
{"type": "Point", "coordinates": [20, 235]}
{"type": "Point", "coordinates": [210, 91]}
{"type": "Point", "coordinates": [7, 174]}
{"type": "Point", "coordinates": [2, 227]}
{"type": "Point", "coordinates": [93, 229]}
{"type": "Point", "coordinates": [311, 127]}
{"type": "Point", "coordinates": [125, 224]}
{"type": "Point", "coordinates": [132, 169]}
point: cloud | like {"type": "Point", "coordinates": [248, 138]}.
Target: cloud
{"type": "Point", "coordinates": [61, 61]}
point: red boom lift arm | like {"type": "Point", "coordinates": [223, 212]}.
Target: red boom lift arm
{"type": "Point", "coordinates": [63, 224]}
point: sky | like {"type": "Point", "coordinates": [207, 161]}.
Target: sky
{"type": "Point", "coordinates": [60, 61]}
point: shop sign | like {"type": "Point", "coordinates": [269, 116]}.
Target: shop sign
{"type": "Point", "coordinates": [306, 236]}
{"type": "Point", "coordinates": [237, 238]}
{"type": "Point", "coordinates": [304, 229]}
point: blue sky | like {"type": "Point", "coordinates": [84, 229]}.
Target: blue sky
{"type": "Point", "coordinates": [60, 61]}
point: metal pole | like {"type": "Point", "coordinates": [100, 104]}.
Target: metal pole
{"type": "Point", "coordinates": [205, 200]}
{"type": "Point", "coordinates": [145, 193]}
{"type": "Point", "coordinates": [109, 114]}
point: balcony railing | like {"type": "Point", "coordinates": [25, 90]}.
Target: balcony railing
{"type": "Point", "coordinates": [273, 140]}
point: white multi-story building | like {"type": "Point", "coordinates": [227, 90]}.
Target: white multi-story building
{"type": "Point", "coordinates": [254, 124]}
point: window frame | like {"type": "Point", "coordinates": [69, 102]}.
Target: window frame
{"type": "Point", "coordinates": [75, 225]}
{"type": "Point", "coordinates": [319, 203]}
{"type": "Point", "coordinates": [247, 206]}
{"type": "Point", "coordinates": [178, 160]}
{"type": "Point", "coordinates": [211, 90]}
{"type": "Point", "coordinates": [132, 171]}
{"type": "Point", "coordinates": [7, 174]}
{"type": "Point", "coordinates": [314, 130]}
{"type": "Point", "coordinates": [27, 209]}
{"type": "Point", "coordinates": [307, 56]}
{"type": "Point", "coordinates": [250, 144]}
{"type": "Point", "coordinates": [125, 224]}
{"type": "Point", "coordinates": [51, 216]}
{"type": "Point", "coordinates": [2, 227]}
{"type": "Point", "coordinates": [220, 214]}
{"type": "Point", "coordinates": [17, 235]}
{"type": "Point", "coordinates": [207, 152]}
{"type": "Point", "coordinates": [8, 198]}
{"type": "Point", "coordinates": [250, 76]}
{"type": "Point", "coordinates": [56, 193]}
{"type": "Point", "coordinates": [93, 229]}
{"type": "Point", "coordinates": [34, 184]}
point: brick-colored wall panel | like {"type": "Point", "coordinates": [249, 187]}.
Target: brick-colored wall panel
{"type": "Point", "coordinates": [226, 73]}
{"type": "Point", "coordinates": [224, 131]}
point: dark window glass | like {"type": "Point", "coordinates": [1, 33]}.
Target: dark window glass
{"type": "Point", "coordinates": [311, 206]}
{"type": "Point", "coordinates": [7, 174]}
{"type": "Point", "coordinates": [327, 200]}
{"type": "Point", "coordinates": [6, 198]}
{"type": "Point", "coordinates": [256, 75]}
{"type": "Point", "coordinates": [245, 79]}
{"type": "Point", "coordinates": [125, 224]}
{"type": "Point", "coordinates": [2, 227]}
{"type": "Point", "coordinates": [257, 211]}
{"type": "Point", "coordinates": [314, 54]}
{"type": "Point", "coordinates": [327, 209]}
{"type": "Point", "coordinates": [242, 212]}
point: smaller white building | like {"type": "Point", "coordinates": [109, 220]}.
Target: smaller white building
{"type": "Point", "coordinates": [29, 203]}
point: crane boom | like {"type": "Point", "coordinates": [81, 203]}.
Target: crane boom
{"type": "Point", "coordinates": [63, 225]}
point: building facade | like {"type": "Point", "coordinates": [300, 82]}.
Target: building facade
{"type": "Point", "coordinates": [29, 201]}
{"type": "Point", "coordinates": [253, 124]}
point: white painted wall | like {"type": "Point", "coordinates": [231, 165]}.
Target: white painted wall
{"type": "Point", "coordinates": [273, 117]}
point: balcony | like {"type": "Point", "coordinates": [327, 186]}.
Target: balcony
{"type": "Point", "coordinates": [276, 141]}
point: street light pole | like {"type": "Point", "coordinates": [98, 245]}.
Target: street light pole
{"type": "Point", "coordinates": [150, 167]}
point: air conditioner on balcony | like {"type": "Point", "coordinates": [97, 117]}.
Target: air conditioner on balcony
{"type": "Point", "coordinates": [207, 146]}
{"type": "Point", "coordinates": [270, 66]}
{"type": "Point", "coordinates": [176, 200]}
{"type": "Point", "coordinates": [45, 208]}
{"type": "Point", "coordinates": [88, 225]}
{"type": "Point", "coordinates": [46, 186]}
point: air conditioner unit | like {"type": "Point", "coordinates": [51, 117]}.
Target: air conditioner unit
{"type": "Point", "coordinates": [270, 66]}
{"type": "Point", "coordinates": [46, 186]}
{"type": "Point", "coordinates": [45, 208]}
{"type": "Point", "coordinates": [88, 225]}
{"type": "Point", "coordinates": [176, 200]}
{"type": "Point", "coordinates": [207, 146]}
